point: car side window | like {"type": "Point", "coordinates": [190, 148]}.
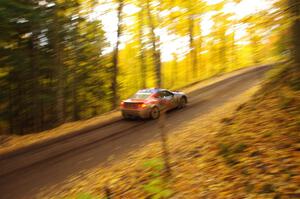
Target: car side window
{"type": "Point", "coordinates": [160, 94]}
{"type": "Point", "coordinates": [164, 94]}
{"type": "Point", "coordinates": [167, 93]}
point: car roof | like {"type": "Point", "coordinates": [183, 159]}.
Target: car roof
{"type": "Point", "coordinates": [151, 90]}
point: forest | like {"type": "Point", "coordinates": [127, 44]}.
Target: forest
{"type": "Point", "coordinates": [69, 60]}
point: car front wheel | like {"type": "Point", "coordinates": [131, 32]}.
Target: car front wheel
{"type": "Point", "coordinates": [182, 103]}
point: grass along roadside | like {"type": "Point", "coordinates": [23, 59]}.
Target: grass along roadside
{"type": "Point", "coordinates": [13, 142]}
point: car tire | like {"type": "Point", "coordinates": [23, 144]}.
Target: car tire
{"type": "Point", "coordinates": [125, 116]}
{"type": "Point", "coordinates": [182, 103]}
{"type": "Point", "coordinates": [154, 113]}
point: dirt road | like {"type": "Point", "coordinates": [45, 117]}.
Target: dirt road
{"type": "Point", "coordinates": [21, 177]}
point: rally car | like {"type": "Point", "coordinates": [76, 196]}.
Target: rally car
{"type": "Point", "coordinates": [149, 103]}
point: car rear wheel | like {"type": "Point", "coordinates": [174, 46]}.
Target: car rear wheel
{"type": "Point", "coordinates": [182, 102]}
{"type": "Point", "coordinates": [125, 116]}
{"type": "Point", "coordinates": [154, 114]}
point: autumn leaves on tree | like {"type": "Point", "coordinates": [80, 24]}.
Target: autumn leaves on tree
{"type": "Point", "coordinates": [61, 62]}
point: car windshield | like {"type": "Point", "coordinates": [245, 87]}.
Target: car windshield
{"type": "Point", "coordinates": [141, 95]}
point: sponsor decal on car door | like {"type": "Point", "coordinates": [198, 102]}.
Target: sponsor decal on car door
{"type": "Point", "coordinates": [169, 100]}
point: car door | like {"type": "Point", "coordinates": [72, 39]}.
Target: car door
{"type": "Point", "coordinates": [162, 103]}
{"type": "Point", "coordinates": [168, 100]}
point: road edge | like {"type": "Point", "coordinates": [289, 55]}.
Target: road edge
{"type": "Point", "coordinates": [51, 140]}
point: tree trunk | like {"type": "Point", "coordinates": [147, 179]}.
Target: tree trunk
{"type": "Point", "coordinates": [254, 45]}
{"type": "Point", "coordinates": [115, 70]}
{"type": "Point", "coordinates": [59, 70]}
{"type": "Point", "coordinates": [223, 50]}
{"type": "Point", "coordinates": [11, 108]}
{"type": "Point", "coordinates": [74, 87]}
{"type": "Point", "coordinates": [193, 50]}
{"type": "Point", "coordinates": [142, 47]}
{"type": "Point", "coordinates": [200, 62]}
{"type": "Point", "coordinates": [174, 72]}
{"type": "Point", "coordinates": [155, 47]}
{"type": "Point", "coordinates": [233, 52]}
{"type": "Point", "coordinates": [295, 11]}
{"type": "Point", "coordinates": [75, 105]}
{"type": "Point", "coordinates": [34, 84]}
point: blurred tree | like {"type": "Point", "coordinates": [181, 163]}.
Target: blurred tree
{"type": "Point", "coordinates": [115, 70]}
{"type": "Point", "coordinates": [44, 41]}
{"type": "Point", "coordinates": [57, 37]}
{"type": "Point", "coordinates": [155, 42]}
{"type": "Point", "coordinates": [56, 66]}
{"type": "Point", "coordinates": [191, 30]}
{"type": "Point", "coordinates": [142, 53]}
{"type": "Point", "coordinates": [294, 6]}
